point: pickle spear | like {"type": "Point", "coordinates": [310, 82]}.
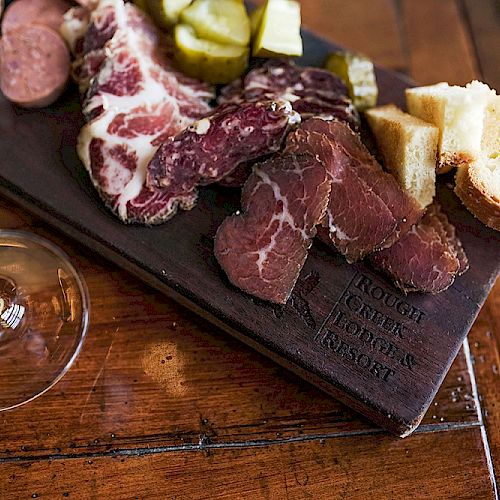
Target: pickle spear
{"type": "Point", "coordinates": [209, 61]}
{"type": "Point", "coordinates": [221, 21]}
{"type": "Point", "coordinates": [166, 12]}
{"type": "Point", "coordinates": [357, 72]}
{"type": "Point", "coordinates": [279, 31]}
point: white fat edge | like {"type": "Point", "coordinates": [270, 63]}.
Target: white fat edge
{"type": "Point", "coordinates": [73, 27]}
{"type": "Point", "coordinates": [335, 230]}
{"type": "Point", "coordinates": [200, 127]}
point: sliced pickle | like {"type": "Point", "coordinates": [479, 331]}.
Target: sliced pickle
{"type": "Point", "coordinates": [166, 12]}
{"type": "Point", "coordinates": [358, 74]}
{"type": "Point", "coordinates": [255, 19]}
{"type": "Point", "coordinates": [209, 61]}
{"type": "Point", "coordinates": [279, 30]}
{"type": "Point", "coordinates": [221, 21]}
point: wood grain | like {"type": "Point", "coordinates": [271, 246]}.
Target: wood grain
{"type": "Point", "coordinates": [178, 381]}
{"type": "Point", "coordinates": [483, 21]}
{"type": "Point", "coordinates": [336, 468]}
{"type": "Point", "coordinates": [242, 388]}
{"type": "Point", "coordinates": [438, 42]}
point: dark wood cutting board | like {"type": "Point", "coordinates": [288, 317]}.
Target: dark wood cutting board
{"type": "Point", "coordinates": [345, 329]}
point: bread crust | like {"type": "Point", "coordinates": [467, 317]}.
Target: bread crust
{"type": "Point", "coordinates": [476, 198]}
{"type": "Point", "coordinates": [448, 161]}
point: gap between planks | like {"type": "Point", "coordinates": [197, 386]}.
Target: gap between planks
{"type": "Point", "coordinates": [484, 434]}
{"type": "Point", "coordinates": [204, 446]}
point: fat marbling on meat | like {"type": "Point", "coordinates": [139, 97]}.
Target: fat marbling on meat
{"type": "Point", "coordinates": [427, 258]}
{"type": "Point", "coordinates": [263, 249]}
{"type": "Point", "coordinates": [133, 101]}
{"type": "Point", "coordinates": [214, 146]}
{"type": "Point", "coordinates": [367, 210]}
{"type": "Point", "coordinates": [312, 91]}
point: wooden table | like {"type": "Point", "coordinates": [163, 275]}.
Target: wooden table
{"type": "Point", "coordinates": [160, 403]}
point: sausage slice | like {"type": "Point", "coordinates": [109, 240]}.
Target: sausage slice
{"type": "Point", "coordinates": [46, 12]}
{"type": "Point", "coordinates": [34, 65]}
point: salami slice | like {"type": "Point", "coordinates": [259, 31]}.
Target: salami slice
{"type": "Point", "coordinates": [45, 12]}
{"type": "Point", "coordinates": [34, 65]}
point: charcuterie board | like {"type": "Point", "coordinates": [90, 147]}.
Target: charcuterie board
{"type": "Point", "coordinates": [345, 328]}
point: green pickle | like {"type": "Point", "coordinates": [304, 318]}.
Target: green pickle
{"type": "Point", "coordinates": [359, 76]}
{"type": "Point", "coordinates": [221, 21]}
{"type": "Point", "coordinates": [207, 60]}
{"type": "Point", "coordinates": [166, 12]}
{"type": "Point", "coordinates": [277, 29]}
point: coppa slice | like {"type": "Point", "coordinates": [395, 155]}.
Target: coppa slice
{"type": "Point", "coordinates": [34, 65]}
{"type": "Point", "coordinates": [367, 210]}
{"type": "Point", "coordinates": [213, 147]}
{"type": "Point", "coordinates": [263, 250]}
{"type": "Point", "coordinates": [427, 258]}
{"type": "Point", "coordinates": [134, 103]}
{"type": "Point", "coordinates": [312, 91]}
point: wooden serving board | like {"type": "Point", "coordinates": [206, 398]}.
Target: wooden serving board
{"type": "Point", "coordinates": [345, 329]}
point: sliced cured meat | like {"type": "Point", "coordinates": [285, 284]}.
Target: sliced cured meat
{"type": "Point", "coordinates": [45, 12]}
{"type": "Point", "coordinates": [34, 65]}
{"type": "Point", "coordinates": [447, 232]}
{"type": "Point", "coordinates": [73, 28]}
{"type": "Point", "coordinates": [133, 104]}
{"type": "Point", "coordinates": [263, 249]}
{"type": "Point", "coordinates": [367, 210]}
{"type": "Point", "coordinates": [237, 177]}
{"type": "Point", "coordinates": [427, 258]}
{"type": "Point", "coordinates": [312, 91]}
{"type": "Point", "coordinates": [213, 147]}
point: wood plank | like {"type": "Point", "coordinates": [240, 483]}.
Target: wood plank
{"type": "Point", "coordinates": [335, 468]}
{"type": "Point", "coordinates": [368, 26]}
{"type": "Point", "coordinates": [176, 381]}
{"type": "Point", "coordinates": [484, 341]}
{"type": "Point", "coordinates": [438, 42]}
{"type": "Point", "coordinates": [484, 22]}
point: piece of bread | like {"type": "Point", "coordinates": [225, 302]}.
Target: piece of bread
{"type": "Point", "coordinates": [409, 147]}
{"type": "Point", "coordinates": [490, 143]}
{"type": "Point", "coordinates": [478, 186]}
{"type": "Point", "coordinates": [459, 113]}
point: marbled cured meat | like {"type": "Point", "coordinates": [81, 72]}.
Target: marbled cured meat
{"type": "Point", "coordinates": [367, 210]}
{"type": "Point", "coordinates": [134, 102]}
{"type": "Point", "coordinates": [213, 147]}
{"type": "Point", "coordinates": [263, 249]}
{"type": "Point", "coordinates": [427, 258]}
{"type": "Point", "coordinates": [312, 91]}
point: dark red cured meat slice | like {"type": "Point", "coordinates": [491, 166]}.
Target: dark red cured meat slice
{"type": "Point", "coordinates": [213, 147]}
{"type": "Point", "coordinates": [447, 231]}
{"type": "Point", "coordinates": [48, 13]}
{"type": "Point", "coordinates": [34, 65]}
{"type": "Point", "coordinates": [237, 177]}
{"type": "Point", "coordinates": [368, 210]}
{"type": "Point", "coordinates": [263, 250]}
{"type": "Point", "coordinates": [424, 259]}
{"type": "Point", "coordinates": [312, 91]}
{"type": "Point", "coordinates": [353, 235]}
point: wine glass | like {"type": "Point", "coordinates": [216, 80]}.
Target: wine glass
{"type": "Point", "coordinates": [44, 314]}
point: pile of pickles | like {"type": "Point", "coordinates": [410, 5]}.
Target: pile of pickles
{"type": "Point", "coordinates": [214, 38]}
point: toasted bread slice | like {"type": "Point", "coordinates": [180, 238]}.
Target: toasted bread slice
{"type": "Point", "coordinates": [478, 186]}
{"type": "Point", "coordinates": [409, 148]}
{"type": "Point", "coordinates": [459, 114]}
